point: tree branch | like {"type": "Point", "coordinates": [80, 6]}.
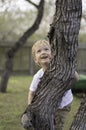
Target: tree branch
{"type": "Point", "coordinates": [32, 3]}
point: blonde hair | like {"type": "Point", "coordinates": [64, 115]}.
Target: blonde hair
{"type": "Point", "coordinates": [37, 44]}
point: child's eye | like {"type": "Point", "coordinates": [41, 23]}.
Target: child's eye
{"type": "Point", "coordinates": [38, 51]}
{"type": "Point", "coordinates": [46, 49]}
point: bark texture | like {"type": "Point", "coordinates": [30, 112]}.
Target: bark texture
{"type": "Point", "coordinates": [79, 122]}
{"type": "Point", "coordinates": [59, 77]}
{"type": "Point", "coordinates": [11, 52]}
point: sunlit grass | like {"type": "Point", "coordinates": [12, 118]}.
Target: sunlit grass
{"type": "Point", "coordinates": [14, 102]}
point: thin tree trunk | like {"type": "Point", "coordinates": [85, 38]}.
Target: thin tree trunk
{"type": "Point", "coordinates": [11, 53]}
{"type": "Point", "coordinates": [6, 74]}
{"type": "Point", "coordinates": [59, 77]}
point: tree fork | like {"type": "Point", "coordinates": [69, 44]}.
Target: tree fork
{"type": "Point", "coordinates": [59, 77]}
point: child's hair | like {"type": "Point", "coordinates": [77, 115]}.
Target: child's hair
{"type": "Point", "coordinates": [37, 44]}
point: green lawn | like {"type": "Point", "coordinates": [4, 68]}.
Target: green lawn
{"type": "Point", "coordinates": [14, 102]}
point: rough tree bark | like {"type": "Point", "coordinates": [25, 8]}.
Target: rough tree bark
{"type": "Point", "coordinates": [59, 77]}
{"type": "Point", "coordinates": [79, 122]}
{"type": "Point", "coordinates": [11, 52]}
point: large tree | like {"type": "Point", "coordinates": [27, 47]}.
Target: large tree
{"type": "Point", "coordinates": [11, 52]}
{"type": "Point", "coordinates": [59, 77]}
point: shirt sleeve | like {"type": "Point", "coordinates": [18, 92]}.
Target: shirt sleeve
{"type": "Point", "coordinates": [34, 83]}
{"type": "Point", "coordinates": [36, 80]}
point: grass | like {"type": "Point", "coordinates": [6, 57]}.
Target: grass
{"type": "Point", "coordinates": [14, 102]}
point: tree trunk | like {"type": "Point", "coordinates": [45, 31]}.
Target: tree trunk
{"type": "Point", "coordinates": [79, 122]}
{"type": "Point", "coordinates": [59, 77]}
{"type": "Point", "coordinates": [6, 74]}
{"type": "Point", "coordinates": [11, 53]}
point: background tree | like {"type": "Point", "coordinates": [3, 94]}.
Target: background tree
{"type": "Point", "coordinates": [14, 19]}
{"type": "Point", "coordinates": [11, 53]}
{"type": "Point", "coordinates": [59, 77]}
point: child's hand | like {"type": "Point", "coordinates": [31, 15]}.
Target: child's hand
{"type": "Point", "coordinates": [26, 122]}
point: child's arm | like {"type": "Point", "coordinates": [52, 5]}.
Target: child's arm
{"type": "Point", "coordinates": [76, 76]}
{"type": "Point", "coordinates": [30, 96]}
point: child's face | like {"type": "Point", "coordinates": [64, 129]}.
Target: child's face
{"type": "Point", "coordinates": [42, 55]}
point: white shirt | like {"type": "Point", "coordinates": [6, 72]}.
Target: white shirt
{"type": "Point", "coordinates": [66, 99]}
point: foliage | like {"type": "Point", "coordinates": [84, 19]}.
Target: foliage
{"type": "Point", "coordinates": [14, 21]}
{"type": "Point", "coordinates": [15, 24]}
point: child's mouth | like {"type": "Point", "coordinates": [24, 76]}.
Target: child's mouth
{"type": "Point", "coordinates": [44, 57]}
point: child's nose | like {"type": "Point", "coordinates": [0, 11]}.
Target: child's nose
{"type": "Point", "coordinates": [43, 51]}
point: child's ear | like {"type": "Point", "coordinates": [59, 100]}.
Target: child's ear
{"type": "Point", "coordinates": [35, 60]}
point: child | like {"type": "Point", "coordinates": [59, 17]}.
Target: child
{"type": "Point", "coordinates": [41, 52]}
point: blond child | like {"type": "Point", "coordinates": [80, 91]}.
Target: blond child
{"type": "Point", "coordinates": [41, 52]}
